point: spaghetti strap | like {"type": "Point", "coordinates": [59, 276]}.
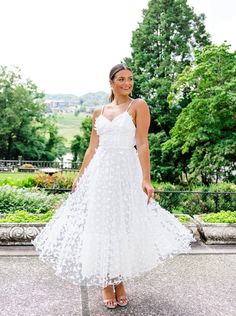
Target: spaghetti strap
{"type": "Point", "coordinates": [102, 109]}
{"type": "Point", "coordinates": [129, 105]}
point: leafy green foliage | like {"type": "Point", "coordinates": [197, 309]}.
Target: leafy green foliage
{"type": "Point", "coordinates": [170, 201]}
{"type": "Point", "coordinates": [205, 131]}
{"type": "Point", "coordinates": [184, 219]}
{"type": "Point", "coordinates": [227, 217]}
{"type": "Point", "coordinates": [26, 217]}
{"type": "Point", "coordinates": [30, 200]}
{"type": "Point", "coordinates": [196, 203]}
{"type": "Point", "coordinates": [161, 170]}
{"type": "Point", "coordinates": [54, 146]}
{"type": "Point", "coordinates": [80, 142]}
{"type": "Point", "coordinates": [162, 46]}
{"type": "Point", "coordinates": [24, 127]}
{"type": "Point", "coordinates": [26, 182]}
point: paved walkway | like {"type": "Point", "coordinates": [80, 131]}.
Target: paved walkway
{"type": "Point", "coordinates": [202, 282]}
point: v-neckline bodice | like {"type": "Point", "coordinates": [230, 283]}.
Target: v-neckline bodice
{"type": "Point", "coordinates": [116, 117]}
{"type": "Point", "coordinates": [126, 111]}
{"type": "Point", "coordinates": [113, 117]}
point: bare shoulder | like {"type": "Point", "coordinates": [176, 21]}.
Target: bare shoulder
{"type": "Point", "coordinates": [140, 106]}
{"type": "Point", "coordinates": [97, 111]}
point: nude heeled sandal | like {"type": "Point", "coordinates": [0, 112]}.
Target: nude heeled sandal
{"type": "Point", "coordinates": [120, 299]}
{"type": "Point", "coordinates": [112, 301]}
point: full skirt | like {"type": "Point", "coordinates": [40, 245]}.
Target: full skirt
{"type": "Point", "coordinates": [106, 229]}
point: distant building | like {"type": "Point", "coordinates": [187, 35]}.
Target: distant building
{"type": "Point", "coordinates": [60, 106]}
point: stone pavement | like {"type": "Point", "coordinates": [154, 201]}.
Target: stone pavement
{"type": "Point", "coordinates": [202, 282]}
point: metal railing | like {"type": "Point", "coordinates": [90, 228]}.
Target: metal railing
{"type": "Point", "coordinates": [187, 202]}
{"type": "Point", "coordinates": [195, 202]}
{"type": "Point", "coordinates": [13, 165]}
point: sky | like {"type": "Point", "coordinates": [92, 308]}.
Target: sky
{"type": "Point", "coordinates": [69, 46]}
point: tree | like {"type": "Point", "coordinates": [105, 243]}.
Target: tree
{"type": "Point", "coordinates": [54, 146]}
{"type": "Point", "coordinates": [206, 129]}
{"type": "Point", "coordinates": [162, 46]}
{"type": "Point", "coordinates": [80, 142]}
{"type": "Point", "coordinates": [25, 128]}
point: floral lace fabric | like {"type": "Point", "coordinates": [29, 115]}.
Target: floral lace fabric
{"type": "Point", "coordinates": [105, 232]}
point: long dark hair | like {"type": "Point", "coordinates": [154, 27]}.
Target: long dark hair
{"type": "Point", "coordinates": [112, 74]}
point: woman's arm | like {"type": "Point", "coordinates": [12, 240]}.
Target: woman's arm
{"type": "Point", "coordinates": [142, 125]}
{"type": "Point", "coordinates": [93, 144]}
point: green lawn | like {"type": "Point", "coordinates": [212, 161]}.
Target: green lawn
{"type": "Point", "coordinates": [69, 125]}
{"type": "Point", "coordinates": [15, 175]}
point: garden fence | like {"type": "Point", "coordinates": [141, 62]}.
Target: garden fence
{"type": "Point", "coordinates": [189, 202]}
{"type": "Point", "coordinates": [18, 165]}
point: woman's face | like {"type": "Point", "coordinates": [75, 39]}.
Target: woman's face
{"type": "Point", "coordinates": [122, 83]}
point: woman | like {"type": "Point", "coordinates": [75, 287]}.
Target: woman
{"type": "Point", "coordinates": [110, 229]}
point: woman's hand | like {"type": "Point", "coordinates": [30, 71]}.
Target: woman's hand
{"type": "Point", "coordinates": [148, 189]}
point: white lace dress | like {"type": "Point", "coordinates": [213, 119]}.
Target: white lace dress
{"type": "Point", "coordinates": [105, 232]}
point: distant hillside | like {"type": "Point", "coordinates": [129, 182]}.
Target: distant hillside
{"type": "Point", "coordinates": [67, 98]}
{"type": "Point", "coordinates": [91, 99]}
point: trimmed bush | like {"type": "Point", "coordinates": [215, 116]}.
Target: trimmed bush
{"type": "Point", "coordinates": [27, 182]}
{"type": "Point", "coordinates": [227, 217]}
{"type": "Point", "coordinates": [26, 217]}
{"type": "Point", "coordinates": [184, 219]}
{"type": "Point", "coordinates": [169, 201]}
{"type": "Point", "coordinates": [197, 203]}
{"type": "Point", "coordinates": [29, 200]}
